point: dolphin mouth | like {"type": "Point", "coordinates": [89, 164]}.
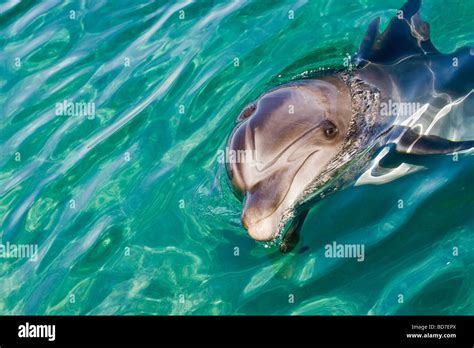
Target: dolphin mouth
{"type": "Point", "coordinates": [285, 215]}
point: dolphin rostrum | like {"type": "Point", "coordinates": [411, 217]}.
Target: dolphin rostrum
{"type": "Point", "coordinates": [313, 136]}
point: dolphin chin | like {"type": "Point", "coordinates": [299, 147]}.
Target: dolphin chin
{"type": "Point", "coordinates": [260, 225]}
{"type": "Point", "coordinates": [266, 220]}
{"type": "Point", "coordinates": [262, 230]}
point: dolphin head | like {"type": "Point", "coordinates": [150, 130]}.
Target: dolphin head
{"type": "Point", "coordinates": [289, 135]}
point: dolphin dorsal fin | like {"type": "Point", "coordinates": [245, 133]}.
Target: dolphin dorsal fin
{"type": "Point", "coordinates": [406, 35]}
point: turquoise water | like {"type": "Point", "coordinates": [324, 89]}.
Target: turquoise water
{"type": "Point", "coordinates": [128, 205]}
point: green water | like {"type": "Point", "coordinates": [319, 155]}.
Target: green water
{"type": "Point", "coordinates": [130, 208]}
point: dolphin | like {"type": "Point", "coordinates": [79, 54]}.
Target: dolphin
{"type": "Point", "coordinates": [311, 137]}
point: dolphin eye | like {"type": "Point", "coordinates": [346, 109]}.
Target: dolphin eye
{"type": "Point", "coordinates": [330, 129]}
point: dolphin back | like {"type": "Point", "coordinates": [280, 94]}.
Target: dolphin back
{"type": "Point", "coordinates": [404, 57]}
{"type": "Point", "coordinates": [406, 40]}
{"type": "Point", "coordinates": [406, 35]}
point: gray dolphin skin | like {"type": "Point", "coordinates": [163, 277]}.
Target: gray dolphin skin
{"type": "Point", "coordinates": [314, 136]}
